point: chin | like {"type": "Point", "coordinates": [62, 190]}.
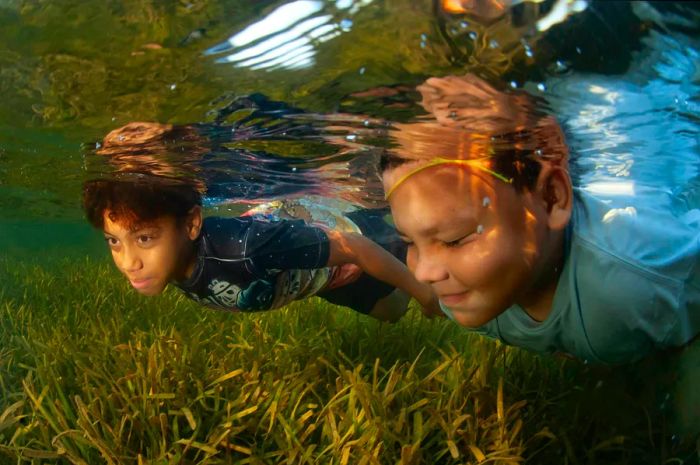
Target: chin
{"type": "Point", "coordinates": [151, 291]}
{"type": "Point", "coordinates": [473, 318]}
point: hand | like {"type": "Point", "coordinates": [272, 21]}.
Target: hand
{"type": "Point", "coordinates": [431, 307]}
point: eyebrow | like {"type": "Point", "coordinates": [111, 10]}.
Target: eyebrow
{"type": "Point", "coordinates": [140, 227]}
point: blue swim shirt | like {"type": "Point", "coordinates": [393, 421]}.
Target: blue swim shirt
{"type": "Point", "coordinates": [629, 285]}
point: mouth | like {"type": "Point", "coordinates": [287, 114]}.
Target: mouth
{"type": "Point", "coordinates": [140, 283]}
{"type": "Point", "coordinates": [452, 299]}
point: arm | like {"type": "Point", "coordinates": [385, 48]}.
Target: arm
{"type": "Point", "coordinates": [377, 262]}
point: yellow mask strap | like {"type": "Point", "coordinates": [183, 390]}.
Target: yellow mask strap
{"type": "Point", "coordinates": [478, 163]}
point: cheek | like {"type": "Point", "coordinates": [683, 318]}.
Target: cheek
{"type": "Point", "coordinates": [411, 257]}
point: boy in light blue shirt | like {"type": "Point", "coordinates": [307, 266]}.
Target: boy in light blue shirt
{"type": "Point", "coordinates": [480, 191]}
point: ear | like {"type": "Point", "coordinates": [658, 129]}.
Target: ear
{"type": "Point", "coordinates": [194, 222]}
{"type": "Point", "coordinates": [557, 195]}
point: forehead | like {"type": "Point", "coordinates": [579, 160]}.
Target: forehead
{"type": "Point", "coordinates": [115, 223]}
{"type": "Point", "coordinates": [447, 179]}
{"type": "Point", "coordinates": [437, 197]}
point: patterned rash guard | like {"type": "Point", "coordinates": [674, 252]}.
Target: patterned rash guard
{"type": "Point", "coordinates": [264, 261]}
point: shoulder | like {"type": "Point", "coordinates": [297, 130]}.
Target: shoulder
{"type": "Point", "coordinates": [637, 232]}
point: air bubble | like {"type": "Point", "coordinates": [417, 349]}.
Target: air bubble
{"type": "Point", "coordinates": [486, 202]}
{"type": "Point", "coordinates": [173, 86]}
{"type": "Point", "coordinates": [346, 24]}
{"type": "Point", "coordinates": [480, 229]}
{"type": "Point", "coordinates": [493, 43]}
{"type": "Point", "coordinates": [453, 114]}
{"type": "Point", "coordinates": [351, 137]}
{"type": "Point", "coordinates": [366, 123]}
{"type": "Point", "coordinates": [541, 87]}
{"type": "Point", "coordinates": [528, 51]}
{"type": "Point", "coordinates": [464, 24]}
{"type": "Point", "coordinates": [513, 84]}
{"type": "Point", "coordinates": [294, 168]}
{"type": "Point", "coordinates": [362, 70]}
{"type": "Point", "coordinates": [538, 152]}
{"type": "Point", "coordinates": [473, 35]}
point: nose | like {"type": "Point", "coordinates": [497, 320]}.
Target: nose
{"type": "Point", "coordinates": [428, 268]}
{"type": "Point", "coordinates": [129, 260]}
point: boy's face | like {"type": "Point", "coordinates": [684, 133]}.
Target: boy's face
{"type": "Point", "coordinates": [473, 238]}
{"type": "Point", "coordinates": [152, 254]}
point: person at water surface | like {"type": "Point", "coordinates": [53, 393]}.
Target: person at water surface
{"type": "Point", "coordinates": [480, 191]}
{"type": "Point", "coordinates": [155, 231]}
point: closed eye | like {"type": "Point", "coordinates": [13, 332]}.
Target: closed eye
{"type": "Point", "coordinates": [456, 242]}
{"type": "Point", "coordinates": [461, 240]}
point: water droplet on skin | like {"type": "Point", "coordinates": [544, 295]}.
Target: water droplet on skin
{"type": "Point", "coordinates": [473, 35]}
{"type": "Point", "coordinates": [480, 229]}
{"type": "Point", "coordinates": [486, 202]}
{"type": "Point", "coordinates": [541, 87]}
{"type": "Point", "coordinates": [464, 24]}
{"type": "Point", "coordinates": [346, 24]}
{"type": "Point", "coordinates": [493, 43]}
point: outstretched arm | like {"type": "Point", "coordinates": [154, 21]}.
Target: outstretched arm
{"type": "Point", "coordinates": [377, 262]}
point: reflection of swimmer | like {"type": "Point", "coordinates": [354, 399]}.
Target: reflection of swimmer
{"type": "Point", "coordinates": [481, 193]}
{"type": "Point", "coordinates": [256, 150]}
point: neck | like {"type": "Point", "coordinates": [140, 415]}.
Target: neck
{"type": "Point", "coordinates": [537, 302]}
{"type": "Point", "coordinates": [188, 263]}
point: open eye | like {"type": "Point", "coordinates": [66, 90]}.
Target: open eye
{"type": "Point", "coordinates": [144, 239]}
{"type": "Point", "coordinates": [112, 241]}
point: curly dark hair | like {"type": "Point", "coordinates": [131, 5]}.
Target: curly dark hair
{"type": "Point", "coordinates": [135, 198]}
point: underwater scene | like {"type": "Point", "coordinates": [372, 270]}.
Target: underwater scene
{"type": "Point", "coordinates": [349, 232]}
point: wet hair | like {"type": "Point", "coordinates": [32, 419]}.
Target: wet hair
{"type": "Point", "coordinates": [509, 130]}
{"type": "Point", "coordinates": [133, 199]}
{"type": "Point", "coordinates": [519, 165]}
